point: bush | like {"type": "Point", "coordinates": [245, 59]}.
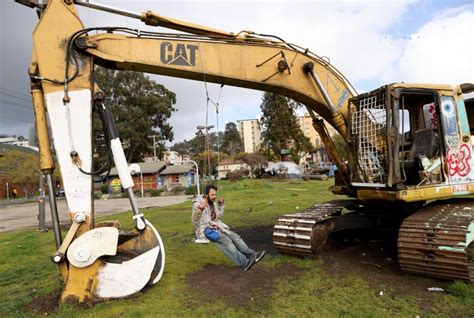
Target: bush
{"type": "Point", "coordinates": [104, 188]}
{"type": "Point", "coordinates": [461, 289]}
{"type": "Point", "coordinates": [124, 195]}
{"type": "Point", "coordinates": [155, 192]}
{"type": "Point", "coordinates": [178, 189]}
{"type": "Point", "coordinates": [237, 174]}
{"type": "Point", "coordinates": [191, 190]}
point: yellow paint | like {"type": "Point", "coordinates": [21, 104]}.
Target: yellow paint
{"type": "Point", "coordinates": [411, 195]}
{"type": "Point", "coordinates": [63, 271]}
{"type": "Point", "coordinates": [46, 160]}
{"type": "Point", "coordinates": [50, 38]}
{"type": "Point", "coordinates": [228, 62]}
{"type": "Point", "coordinates": [81, 283]}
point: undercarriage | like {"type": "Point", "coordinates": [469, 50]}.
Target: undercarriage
{"type": "Point", "coordinates": [435, 240]}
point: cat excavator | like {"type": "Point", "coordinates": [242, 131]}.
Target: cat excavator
{"type": "Point", "coordinates": [409, 166]}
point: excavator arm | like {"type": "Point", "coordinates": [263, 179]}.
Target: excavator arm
{"type": "Point", "coordinates": [94, 259]}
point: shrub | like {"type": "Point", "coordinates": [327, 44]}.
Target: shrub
{"type": "Point", "coordinates": [104, 188]}
{"type": "Point", "coordinates": [155, 192]}
{"type": "Point", "coordinates": [237, 174]}
{"type": "Point", "coordinates": [178, 189]}
{"type": "Point", "coordinates": [191, 190]}
{"type": "Point", "coordinates": [460, 289]}
{"type": "Point", "coordinates": [124, 195]}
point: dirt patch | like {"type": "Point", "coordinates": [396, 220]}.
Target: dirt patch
{"type": "Point", "coordinates": [44, 305]}
{"type": "Point", "coordinates": [376, 262]}
{"type": "Point", "coordinates": [235, 287]}
{"type": "Point", "coordinates": [258, 238]}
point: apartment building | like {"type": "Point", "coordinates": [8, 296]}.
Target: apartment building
{"type": "Point", "coordinates": [250, 133]}
{"type": "Point", "coordinates": [306, 125]}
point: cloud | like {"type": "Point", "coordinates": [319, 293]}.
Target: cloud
{"type": "Point", "coordinates": [441, 51]}
{"type": "Point", "coordinates": [359, 37]}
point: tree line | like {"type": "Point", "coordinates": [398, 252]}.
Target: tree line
{"type": "Point", "coordinates": [142, 107]}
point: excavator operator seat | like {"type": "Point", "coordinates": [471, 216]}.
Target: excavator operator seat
{"type": "Point", "coordinates": [425, 143]}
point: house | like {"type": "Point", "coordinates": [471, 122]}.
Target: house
{"type": "Point", "coordinates": [149, 170]}
{"type": "Point", "coordinates": [156, 175]}
{"type": "Point", "coordinates": [177, 175]}
{"type": "Point", "coordinates": [170, 156]}
{"type": "Point", "coordinates": [228, 165]}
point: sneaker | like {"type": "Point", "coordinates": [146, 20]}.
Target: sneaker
{"type": "Point", "coordinates": [259, 256]}
{"type": "Point", "coordinates": [249, 264]}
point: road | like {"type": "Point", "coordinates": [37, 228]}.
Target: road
{"type": "Point", "coordinates": [18, 216]}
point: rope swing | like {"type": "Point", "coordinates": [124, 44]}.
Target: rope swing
{"type": "Point", "coordinates": [208, 148]}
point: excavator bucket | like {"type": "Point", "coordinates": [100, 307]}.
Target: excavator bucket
{"type": "Point", "coordinates": [106, 262]}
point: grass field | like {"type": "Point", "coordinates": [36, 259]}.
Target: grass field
{"type": "Point", "coordinates": [279, 286]}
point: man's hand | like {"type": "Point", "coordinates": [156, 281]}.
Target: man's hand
{"type": "Point", "coordinates": [202, 205]}
{"type": "Point", "coordinates": [220, 201]}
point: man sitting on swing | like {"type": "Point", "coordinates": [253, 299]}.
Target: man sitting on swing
{"type": "Point", "coordinates": [206, 214]}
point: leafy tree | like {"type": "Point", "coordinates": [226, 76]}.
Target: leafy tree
{"type": "Point", "coordinates": [215, 139]}
{"type": "Point", "coordinates": [182, 147]}
{"type": "Point", "coordinates": [340, 145]}
{"type": "Point", "coordinates": [202, 161]}
{"type": "Point", "coordinates": [21, 169]}
{"type": "Point", "coordinates": [232, 143]}
{"type": "Point", "coordinates": [280, 127]}
{"type": "Point", "coordinates": [141, 108]}
{"type": "Point", "coordinates": [197, 144]}
{"type": "Point", "coordinates": [256, 162]}
{"type": "Point", "coordinates": [240, 156]}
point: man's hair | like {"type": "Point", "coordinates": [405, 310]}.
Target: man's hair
{"type": "Point", "coordinates": [209, 187]}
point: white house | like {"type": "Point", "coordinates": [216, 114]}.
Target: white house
{"type": "Point", "coordinates": [228, 165]}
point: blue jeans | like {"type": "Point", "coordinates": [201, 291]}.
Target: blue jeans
{"type": "Point", "coordinates": [232, 245]}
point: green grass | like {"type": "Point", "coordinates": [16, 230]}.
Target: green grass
{"type": "Point", "coordinates": [27, 274]}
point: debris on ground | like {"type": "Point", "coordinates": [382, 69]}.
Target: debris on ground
{"type": "Point", "coordinates": [372, 264]}
{"type": "Point", "coordinates": [435, 289]}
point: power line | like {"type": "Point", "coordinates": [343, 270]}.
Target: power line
{"type": "Point", "coordinates": [11, 119]}
{"type": "Point", "coordinates": [10, 103]}
{"type": "Point", "coordinates": [28, 100]}
{"type": "Point", "coordinates": [9, 90]}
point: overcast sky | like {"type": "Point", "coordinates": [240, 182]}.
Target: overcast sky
{"type": "Point", "coordinates": [371, 42]}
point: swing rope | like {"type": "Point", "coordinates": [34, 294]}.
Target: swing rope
{"type": "Point", "coordinates": [216, 105]}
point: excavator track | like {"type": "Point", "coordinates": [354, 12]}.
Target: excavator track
{"type": "Point", "coordinates": [438, 241]}
{"type": "Point", "coordinates": [297, 233]}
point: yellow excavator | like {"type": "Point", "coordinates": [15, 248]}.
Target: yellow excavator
{"type": "Point", "coordinates": [410, 163]}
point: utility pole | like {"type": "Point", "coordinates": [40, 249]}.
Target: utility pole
{"type": "Point", "coordinates": [154, 146]}
{"type": "Point", "coordinates": [206, 140]}
{"type": "Point", "coordinates": [41, 216]}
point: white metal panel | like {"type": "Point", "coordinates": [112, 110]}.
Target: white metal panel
{"type": "Point", "coordinates": [88, 247]}
{"type": "Point", "coordinates": [161, 266]}
{"type": "Point", "coordinates": [73, 134]}
{"type": "Point", "coordinates": [127, 278]}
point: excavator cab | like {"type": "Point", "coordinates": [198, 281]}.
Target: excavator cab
{"type": "Point", "coordinates": [405, 137]}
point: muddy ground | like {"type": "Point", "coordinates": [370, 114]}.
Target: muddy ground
{"type": "Point", "coordinates": [373, 259]}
